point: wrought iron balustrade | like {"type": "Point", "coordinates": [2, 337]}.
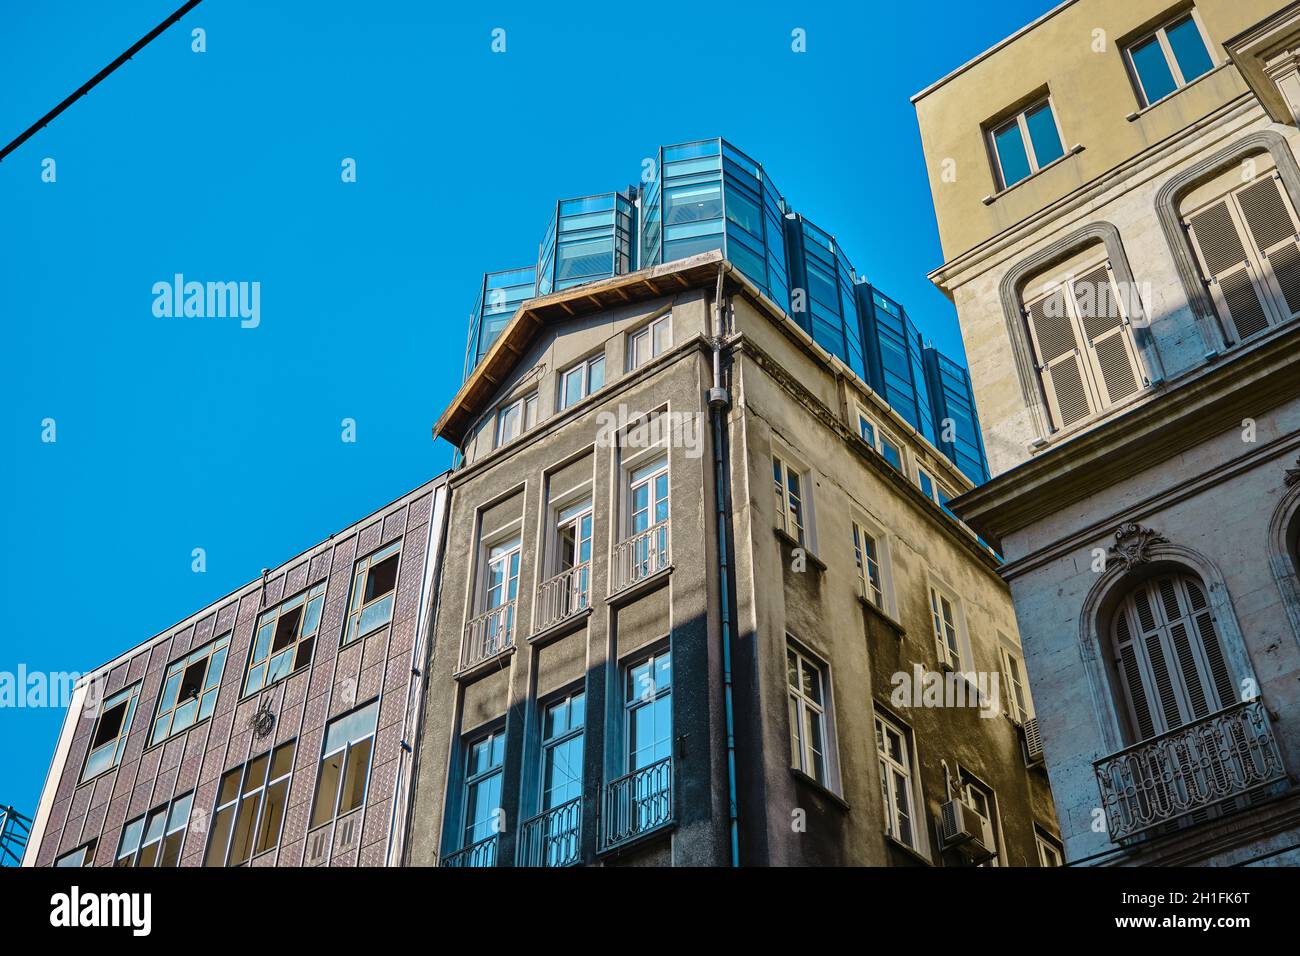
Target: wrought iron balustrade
{"type": "Point", "coordinates": [638, 557]}
{"type": "Point", "coordinates": [553, 838]}
{"type": "Point", "coordinates": [488, 635]}
{"type": "Point", "coordinates": [563, 596]}
{"type": "Point", "coordinates": [637, 803]}
{"type": "Point", "coordinates": [482, 853]}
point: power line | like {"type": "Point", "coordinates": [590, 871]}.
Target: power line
{"type": "Point", "coordinates": [98, 77]}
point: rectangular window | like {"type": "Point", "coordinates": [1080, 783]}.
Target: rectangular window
{"type": "Point", "coordinates": [866, 555]}
{"type": "Point", "coordinates": [581, 380]}
{"type": "Point", "coordinates": [894, 751]}
{"type": "Point", "coordinates": [1019, 707]}
{"type": "Point", "coordinates": [790, 499]}
{"type": "Point", "coordinates": [1025, 143]}
{"type": "Point", "coordinates": [1049, 851]}
{"type": "Point", "coordinates": [156, 839]}
{"type": "Point", "coordinates": [980, 799]}
{"type": "Point", "coordinates": [285, 637]}
{"type": "Point", "coordinates": [345, 764]}
{"type": "Point", "coordinates": [568, 590]}
{"type": "Point", "coordinates": [648, 342]}
{"type": "Point", "coordinates": [877, 438]}
{"type": "Point", "coordinates": [251, 803]}
{"type": "Point", "coordinates": [943, 608]}
{"type": "Point", "coordinates": [111, 728]}
{"type": "Point", "coordinates": [1083, 345]}
{"type": "Point", "coordinates": [190, 688]}
{"type": "Point", "coordinates": [484, 764]}
{"type": "Point", "coordinates": [1169, 58]}
{"type": "Point", "coordinates": [515, 419]}
{"type": "Point", "coordinates": [805, 680]}
{"type": "Point", "coordinates": [648, 711]}
{"type": "Point", "coordinates": [82, 856]}
{"type": "Point", "coordinates": [556, 844]}
{"type": "Point", "coordinates": [374, 586]}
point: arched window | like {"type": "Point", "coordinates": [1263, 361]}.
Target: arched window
{"type": "Point", "coordinates": [1169, 656]}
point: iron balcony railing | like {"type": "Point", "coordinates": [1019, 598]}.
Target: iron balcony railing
{"type": "Point", "coordinates": [563, 596]}
{"type": "Point", "coordinates": [637, 803]}
{"type": "Point", "coordinates": [482, 853]}
{"type": "Point", "coordinates": [1189, 769]}
{"type": "Point", "coordinates": [640, 556]}
{"type": "Point", "coordinates": [553, 838]}
{"type": "Point", "coordinates": [488, 635]}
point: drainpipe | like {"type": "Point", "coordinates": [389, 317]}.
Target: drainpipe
{"type": "Point", "coordinates": [719, 400]}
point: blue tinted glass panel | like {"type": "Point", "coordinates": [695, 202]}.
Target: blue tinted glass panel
{"type": "Point", "coordinates": [1153, 70]}
{"type": "Point", "coordinates": [1189, 49]}
{"type": "Point", "coordinates": [1043, 134]}
{"type": "Point", "coordinates": [1011, 154]}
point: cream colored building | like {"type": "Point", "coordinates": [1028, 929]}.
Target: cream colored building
{"type": "Point", "coordinates": [1116, 189]}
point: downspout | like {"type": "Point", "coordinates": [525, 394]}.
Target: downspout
{"type": "Point", "coordinates": [719, 400]}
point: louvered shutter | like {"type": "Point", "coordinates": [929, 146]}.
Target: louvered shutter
{"type": "Point", "coordinates": [1270, 220]}
{"type": "Point", "coordinates": [1130, 671]}
{"type": "Point", "coordinates": [1059, 359]}
{"type": "Point", "coordinates": [1116, 370]}
{"type": "Point", "coordinates": [1203, 619]}
{"type": "Point", "coordinates": [1226, 265]}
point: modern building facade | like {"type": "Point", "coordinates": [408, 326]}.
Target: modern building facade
{"type": "Point", "coordinates": [708, 195]}
{"type": "Point", "coordinates": [708, 606]}
{"type": "Point", "coordinates": [1116, 188]}
{"type": "Point", "coordinates": [271, 728]}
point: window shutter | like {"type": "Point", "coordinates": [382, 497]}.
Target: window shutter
{"type": "Point", "coordinates": [1227, 266]}
{"type": "Point", "coordinates": [1116, 369]}
{"type": "Point", "coordinates": [1060, 362]}
{"type": "Point", "coordinates": [1131, 675]}
{"type": "Point", "coordinates": [1162, 681]}
{"type": "Point", "coordinates": [1204, 620]}
{"type": "Point", "coordinates": [1272, 226]}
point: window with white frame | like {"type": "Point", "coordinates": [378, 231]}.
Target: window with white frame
{"type": "Point", "coordinates": [111, 728]}
{"type": "Point", "coordinates": [1019, 706]}
{"type": "Point", "coordinates": [156, 839]}
{"type": "Point", "coordinates": [516, 418]}
{"type": "Point", "coordinates": [484, 774]}
{"type": "Point", "coordinates": [1244, 238]}
{"type": "Point", "coordinates": [1168, 58]}
{"type": "Point", "coordinates": [809, 735]}
{"type": "Point", "coordinates": [931, 487]}
{"type": "Point", "coordinates": [1049, 851]}
{"type": "Point", "coordinates": [579, 381]}
{"type": "Point", "coordinates": [885, 445]}
{"type": "Point", "coordinates": [344, 769]}
{"type": "Point", "coordinates": [648, 711]}
{"type": "Point", "coordinates": [374, 586]}
{"type": "Point", "coordinates": [649, 341]}
{"type": "Point", "coordinates": [792, 499]}
{"type": "Point", "coordinates": [644, 548]}
{"type": "Point", "coordinates": [251, 803]}
{"type": "Point", "coordinates": [945, 612]}
{"type": "Point", "coordinates": [893, 747]}
{"type": "Point", "coordinates": [1025, 143]}
{"type": "Point", "coordinates": [1083, 345]}
{"type": "Point", "coordinates": [286, 636]}
{"type": "Point", "coordinates": [868, 557]}
{"type": "Point", "coordinates": [981, 800]}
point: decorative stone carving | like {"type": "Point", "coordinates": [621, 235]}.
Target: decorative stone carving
{"type": "Point", "coordinates": [263, 721]}
{"type": "Point", "coordinates": [1133, 544]}
{"type": "Point", "coordinates": [1293, 474]}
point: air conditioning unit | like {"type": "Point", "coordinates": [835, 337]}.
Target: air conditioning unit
{"type": "Point", "coordinates": [1033, 742]}
{"type": "Point", "coordinates": [962, 829]}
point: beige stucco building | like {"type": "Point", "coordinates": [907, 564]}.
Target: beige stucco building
{"type": "Point", "coordinates": [691, 579]}
{"type": "Point", "coordinates": [1116, 190]}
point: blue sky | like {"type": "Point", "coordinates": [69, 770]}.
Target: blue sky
{"type": "Point", "coordinates": [175, 434]}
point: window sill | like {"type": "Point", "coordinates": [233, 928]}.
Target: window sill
{"type": "Point", "coordinates": [1140, 113]}
{"type": "Point", "coordinates": [634, 591]}
{"type": "Point", "coordinates": [1074, 150]}
{"type": "Point", "coordinates": [915, 854]}
{"type": "Point", "coordinates": [792, 542]}
{"type": "Point", "coordinates": [884, 616]}
{"type": "Point", "coordinates": [496, 662]}
{"type": "Point", "coordinates": [820, 789]}
{"type": "Point", "coordinates": [561, 627]}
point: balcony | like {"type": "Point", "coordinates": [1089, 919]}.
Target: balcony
{"type": "Point", "coordinates": [553, 838]}
{"type": "Point", "coordinates": [482, 853]}
{"type": "Point", "coordinates": [640, 556]}
{"type": "Point", "coordinates": [637, 803]}
{"type": "Point", "coordinates": [488, 635]}
{"type": "Point", "coordinates": [563, 596]}
{"type": "Point", "coordinates": [1189, 770]}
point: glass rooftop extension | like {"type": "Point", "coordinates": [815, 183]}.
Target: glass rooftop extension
{"type": "Point", "coordinates": [500, 294]}
{"type": "Point", "coordinates": [895, 366]}
{"type": "Point", "coordinates": [954, 401]}
{"type": "Point", "coordinates": [589, 238]}
{"type": "Point", "coordinates": [824, 301]}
